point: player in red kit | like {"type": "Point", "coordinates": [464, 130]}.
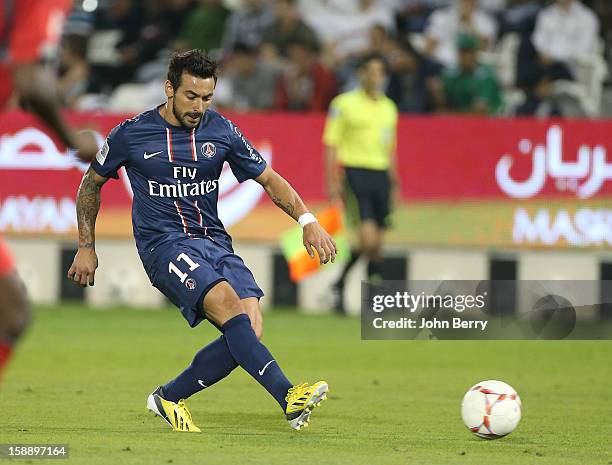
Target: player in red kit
{"type": "Point", "coordinates": [30, 30]}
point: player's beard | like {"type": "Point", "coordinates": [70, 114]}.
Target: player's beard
{"type": "Point", "coordinates": [181, 118]}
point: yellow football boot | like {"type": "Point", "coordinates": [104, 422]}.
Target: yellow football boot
{"type": "Point", "coordinates": [301, 400]}
{"type": "Point", "coordinates": [175, 414]}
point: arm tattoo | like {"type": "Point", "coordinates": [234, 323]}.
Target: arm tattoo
{"type": "Point", "coordinates": [283, 195]}
{"type": "Point", "coordinates": [88, 204]}
{"type": "Point", "coordinates": [287, 208]}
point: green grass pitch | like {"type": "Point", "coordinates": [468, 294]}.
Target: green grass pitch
{"type": "Point", "coordinates": [82, 376]}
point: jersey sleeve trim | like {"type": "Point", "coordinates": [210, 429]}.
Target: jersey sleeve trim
{"type": "Point", "coordinates": [112, 156]}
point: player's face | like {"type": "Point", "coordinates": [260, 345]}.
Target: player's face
{"type": "Point", "coordinates": [191, 99]}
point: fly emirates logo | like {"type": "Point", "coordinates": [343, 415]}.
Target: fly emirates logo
{"type": "Point", "coordinates": [185, 186]}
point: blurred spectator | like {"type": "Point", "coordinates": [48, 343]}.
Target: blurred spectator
{"type": "Point", "coordinates": [286, 28]}
{"type": "Point", "coordinates": [412, 15]}
{"type": "Point", "coordinates": [493, 7]}
{"type": "Point", "coordinates": [471, 87]}
{"type": "Point", "coordinates": [124, 20]}
{"type": "Point", "coordinates": [566, 32]}
{"type": "Point", "coordinates": [304, 48]}
{"type": "Point", "coordinates": [404, 85]}
{"type": "Point", "coordinates": [519, 17]}
{"type": "Point", "coordinates": [247, 83]}
{"type": "Point", "coordinates": [204, 26]}
{"type": "Point", "coordinates": [144, 33]}
{"type": "Point", "coordinates": [565, 35]}
{"type": "Point", "coordinates": [73, 69]}
{"type": "Point", "coordinates": [246, 25]}
{"type": "Point", "coordinates": [603, 9]}
{"type": "Point", "coordinates": [381, 42]}
{"type": "Point", "coordinates": [344, 25]}
{"type": "Point", "coordinates": [125, 16]}
{"type": "Point", "coordinates": [446, 24]}
{"type": "Point", "coordinates": [79, 22]}
{"type": "Point", "coordinates": [163, 21]}
{"type": "Point", "coordinates": [306, 85]}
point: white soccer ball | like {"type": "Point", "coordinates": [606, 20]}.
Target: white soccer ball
{"type": "Point", "coordinates": [491, 409]}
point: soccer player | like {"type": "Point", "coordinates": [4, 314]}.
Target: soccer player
{"type": "Point", "coordinates": [173, 155]}
{"type": "Point", "coordinates": [14, 308]}
{"type": "Point", "coordinates": [361, 165]}
{"type": "Point", "coordinates": [29, 29]}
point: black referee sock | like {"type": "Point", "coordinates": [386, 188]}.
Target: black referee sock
{"type": "Point", "coordinates": [253, 356]}
{"type": "Point", "coordinates": [375, 270]}
{"type": "Point", "coordinates": [211, 364]}
{"type": "Point", "coordinates": [355, 254]}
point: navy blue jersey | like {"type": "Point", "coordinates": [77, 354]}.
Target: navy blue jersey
{"type": "Point", "coordinates": [174, 173]}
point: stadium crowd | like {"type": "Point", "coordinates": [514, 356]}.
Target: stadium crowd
{"type": "Point", "coordinates": [500, 57]}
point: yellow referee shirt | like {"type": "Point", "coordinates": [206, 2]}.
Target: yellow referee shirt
{"type": "Point", "coordinates": [362, 130]}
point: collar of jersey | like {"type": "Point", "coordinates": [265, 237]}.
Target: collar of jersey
{"type": "Point", "coordinates": [363, 95]}
{"type": "Point", "coordinates": [166, 124]}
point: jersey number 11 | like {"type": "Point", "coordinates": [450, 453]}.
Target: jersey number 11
{"type": "Point", "coordinates": [172, 268]}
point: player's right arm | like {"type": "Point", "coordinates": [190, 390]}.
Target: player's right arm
{"type": "Point", "coordinates": [85, 261]}
{"type": "Point", "coordinates": [110, 158]}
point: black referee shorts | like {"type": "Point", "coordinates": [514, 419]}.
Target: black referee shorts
{"type": "Point", "coordinates": [367, 195]}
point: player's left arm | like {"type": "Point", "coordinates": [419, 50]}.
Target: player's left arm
{"type": "Point", "coordinates": [286, 198]}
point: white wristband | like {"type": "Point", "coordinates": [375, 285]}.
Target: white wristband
{"type": "Point", "coordinates": [306, 218]}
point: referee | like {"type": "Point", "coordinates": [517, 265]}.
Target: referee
{"type": "Point", "coordinates": [361, 169]}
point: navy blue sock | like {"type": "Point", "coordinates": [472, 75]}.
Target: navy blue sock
{"type": "Point", "coordinates": [253, 356]}
{"type": "Point", "coordinates": [211, 364]}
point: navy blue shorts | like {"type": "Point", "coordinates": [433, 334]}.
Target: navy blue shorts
{"type": "Point", "coordinates": [184, 271]}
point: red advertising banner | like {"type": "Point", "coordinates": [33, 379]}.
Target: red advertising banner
{"type": "Point", "coordinates": [465, 181]}
{"type": "Point", "coordinates": [484, 158]}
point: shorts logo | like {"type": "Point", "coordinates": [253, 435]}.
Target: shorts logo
{"type": "Point", "coordinates": [190, 284]}
{"type": "Point", "coordinates": [209, 150]}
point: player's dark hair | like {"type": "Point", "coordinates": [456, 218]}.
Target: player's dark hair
{"type": "Point", "coordinates": [193, 62]}
{"type": "Point", "coordinates": [373, 56]}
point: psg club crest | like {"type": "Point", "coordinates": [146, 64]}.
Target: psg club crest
{"type": "Point", "coordinates": [209, 150]}
{"type": "Point", "coordinates": [190, 284]}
